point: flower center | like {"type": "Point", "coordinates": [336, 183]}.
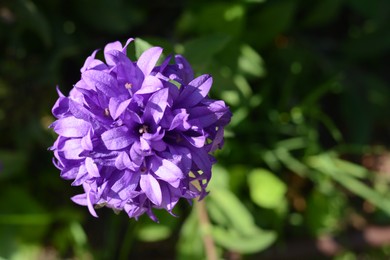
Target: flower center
{"type": "Point", "coordinates": [106, 112]}
{"type": "Point", "coordinates": [143, 129]}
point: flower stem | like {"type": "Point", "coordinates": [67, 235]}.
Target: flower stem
{"type": "Point", "coordinates": [208, 241]}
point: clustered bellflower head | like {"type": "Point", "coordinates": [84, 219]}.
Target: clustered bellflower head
{"type": "Point", "coordinates": [137, 135]}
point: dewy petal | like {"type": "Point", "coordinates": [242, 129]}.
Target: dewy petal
{"type": "Point", "coordinates": [152, 189]}
{"type": "Point", "coordinates": [117, 138]}
{"type": "Point", "coordinates": [195, 91]}
{"type": "Point", "coordinates": [156, 105]}
{"type": "Point", "coordinates": [148, 59]}
{"type": "Point", "coordinates": [71, 127]}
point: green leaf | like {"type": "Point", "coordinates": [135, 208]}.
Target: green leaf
{"type": "Point", "coordinates": [274, 18]}
{"type": "Point", "coordinates": [33, 19]}
{"type": "Point", "coordinates": [12, 163]}
{"type": "Point", "coordinates": [325, 164]}
{"type": "Point", "coordinates": [323, 13]}
{"type": "Point", "coordinates": [189, 245]}
{"type": "Point", "coordinates": [254, 1]}
{"type": "Point", "coordinates": [220, 178]}
{"type": "Point", "coordinates": [232, 240]}
{"type": "Point", "coordinates": [324, 211]}
{"type": "Point", "coordinates": [250, 62]}
{"type": "Point", "coordinates": [201, 50]}
{"type": "Point", "coordinates": [370, 9]}
{"type": "Point", "coordinates": [266, 190]}
{"type": "Point", "coordinates": [236, 215]}
{"type": "Point", "coordinates": [152, 233]}
{"type": "Point", "coordinates": [220, 17]}
{"type": "Point", "coordinates": [109, 16]}
{"type": "Point", "coordinates": [141, 46]}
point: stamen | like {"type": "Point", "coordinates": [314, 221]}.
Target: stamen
{"type": "Point", "coordinates": [106, 112]}
{"type": "Point", "coordinates": [128, 85]}
{"type": "Point", "coordinates": [143, 129]}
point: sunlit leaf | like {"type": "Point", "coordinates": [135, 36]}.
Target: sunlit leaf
{"type": "Point", "coordinates": [250, 62]}
{"type": "Point", "coordinates": [141, 46]}
{"type": "Point", "coordinates": [324, 163]}
{"type": "Point", "coordinates": [236, 214]}
{"type": "Point", "coordinates": [266, 190]}
{"type": "Point", "coordinates": [190, 244]}
{"type": "Point", "coordinates": [257, 241]}
{"type": "Point", "coordinates": [324, 212]}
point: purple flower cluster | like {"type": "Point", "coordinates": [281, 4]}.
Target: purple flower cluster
{"type": "Point", "coordinates": [135, 135]}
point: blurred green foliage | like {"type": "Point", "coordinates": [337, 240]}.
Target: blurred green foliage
{"type": "Point", "coordinates": [306, 154]}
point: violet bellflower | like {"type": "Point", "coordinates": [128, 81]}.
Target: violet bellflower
{"type": "Point", "coordinates": [137, 135]}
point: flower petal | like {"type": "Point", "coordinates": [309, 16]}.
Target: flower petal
{"type": "Point", "coordinates": [167, 171]}
{"type": "Point", "coordinates": [72, 149]}
{"type": "Point", "coordinates": [152, 189]}
{"type": "Point", "coordinates": [71, 127]}
{"type": "Point", "coordinates": [180, 121]}
{"type": "Point", "coordinates": [151, 84]}
{"type": "Point", "coordinates": [91, 167]}
{"type": "Point", "coordinates": [185, 68]}
{"type": "Point", "coordinates": [86, 142]}
{"type": "Point", "coordinates": [208, 115]}
{"type": "Point", "coordinates": [148, 59]}
{"type": "Point", "coordinates": [117, 107]}
{"type": "Point", "coordinates": [156, 106]}
{"type": "Point", "coordinates": [123, 161]}
{"type": "Point", "coordinates": [103, 81]}
{"type": "Point", "coordinates": [195, 91]}
{"type": "Point", "coordinates": [117, 138]}
{"type": "Point", "coordinates": [113, 52]}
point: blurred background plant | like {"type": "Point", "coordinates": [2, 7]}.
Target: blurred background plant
{"type": "Point", "coordinates": [305, 169]}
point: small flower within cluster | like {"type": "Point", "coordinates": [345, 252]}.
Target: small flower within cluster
{"type": "Point", "coordinates": [135, 135]}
